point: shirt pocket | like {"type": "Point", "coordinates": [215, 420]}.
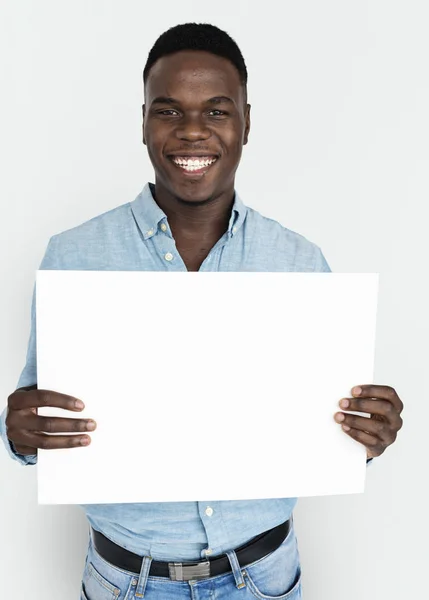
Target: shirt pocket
{"type": "Point", "coordinates": [96, 587]}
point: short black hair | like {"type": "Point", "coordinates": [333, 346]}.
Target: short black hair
{"type": "Point", "coordinates": [197, 36]}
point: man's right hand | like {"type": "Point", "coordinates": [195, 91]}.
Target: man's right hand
{"type": "Point", "coordinates": [29, 431]}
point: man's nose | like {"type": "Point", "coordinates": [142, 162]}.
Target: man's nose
{"type": "Point", "coordinates": [193, 128]}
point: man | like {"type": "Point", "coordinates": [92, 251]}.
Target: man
{"type": "Point", "coordinates": [196, 120]}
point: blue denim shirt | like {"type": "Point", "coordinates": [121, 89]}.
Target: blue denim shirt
{"type": "Point", "coordinates": [137, 237]}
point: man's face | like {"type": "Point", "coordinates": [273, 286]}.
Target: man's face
{"type": "Point", "coordinates": [195, 110]}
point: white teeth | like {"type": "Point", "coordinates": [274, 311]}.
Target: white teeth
{"type": "Point", "coordinates": [193, 165]}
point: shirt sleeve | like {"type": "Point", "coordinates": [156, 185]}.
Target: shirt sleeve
{"type": "Point", "coordinates": [28, 375]}
{"type": "Point", "coordinates": [320, 264]}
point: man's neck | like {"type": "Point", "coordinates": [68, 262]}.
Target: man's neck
{"type": "Point", "coordinates": [196, 220]}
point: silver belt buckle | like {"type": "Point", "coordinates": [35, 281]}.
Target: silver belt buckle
{"type": "Point", "coordinates": [188, 571]}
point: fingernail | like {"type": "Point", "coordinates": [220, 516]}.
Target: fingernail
{"type": "Point", "coordinates": [91, 425]}
{"type": "Point", "coordinates": [85, 441]}
{"type": "Point", "coordinates": [344, 403]}
{"type": "Point", "coordinates": [79, 404]}
{"type": "Point", "coordinates": [339, 417]}
{"type": "Point", "coordinates": [346, 428]}
{"type": "Point", "coordinates": [356, 391]}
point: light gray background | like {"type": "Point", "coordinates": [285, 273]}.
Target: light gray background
{"type": "Point", "coordinates": [338, 152]}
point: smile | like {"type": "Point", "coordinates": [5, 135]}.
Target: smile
{"type": "Point", "coordinates": [197, 164]}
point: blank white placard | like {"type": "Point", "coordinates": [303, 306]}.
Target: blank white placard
{"type": "Point", "coordinates": [204, 386]}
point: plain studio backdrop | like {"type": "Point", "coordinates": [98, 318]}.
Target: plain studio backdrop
{"type": "Point", "coordinates": [338, 152]}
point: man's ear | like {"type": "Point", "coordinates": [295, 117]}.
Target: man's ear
{"type": "Point", "coordinates": [247, 124]}
{"type": "Point", "coordinates": [143, 114]}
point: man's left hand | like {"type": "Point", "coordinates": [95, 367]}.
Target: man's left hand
{"type": "Point", "coordinates": [380, 430]}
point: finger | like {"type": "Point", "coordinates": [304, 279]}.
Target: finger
{"type": "Point", "coordinates": [58, 424]}
{"type": "Point", "coordinates": [52, 442]}
{"type": "Point", "coordinates": [373, 444]}
{"type": "Point", "coordinates": [382, 408]}
{"type": "Point", "coordinates": [38, 398]}
{"type": "Point", "coordinates": [377, 429]}
{"type": "Point", "coordinates": [382, 392]}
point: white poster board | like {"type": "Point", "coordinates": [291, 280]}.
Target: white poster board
{"type": "Point", "coordinates": [204, 386]}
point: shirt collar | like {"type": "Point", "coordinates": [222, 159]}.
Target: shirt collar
{"type": "Point", "coordinates": [150, 217]}
{"type": "Point", "coordinates": [238, 215]}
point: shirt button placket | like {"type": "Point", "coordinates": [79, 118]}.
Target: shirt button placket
{"type": "Point", "coordinates": [210, 516]}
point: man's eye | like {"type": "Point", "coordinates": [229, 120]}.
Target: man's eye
{"type": "Point", "coordinates": [169, 112]}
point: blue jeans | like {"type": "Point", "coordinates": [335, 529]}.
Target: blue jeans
{"type": "Point", "coordinates": [277, 575]}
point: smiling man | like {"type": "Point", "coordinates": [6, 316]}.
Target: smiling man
{"type": "Point", "coordinates": [196, 120]}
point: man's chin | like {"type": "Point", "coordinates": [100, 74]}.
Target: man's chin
{"type": "Point", "coordinates": [196, 194]}
{"type": "Point", "coordinates": [194, 201]}
{"type": "Point", "coordinates": [191, 192]}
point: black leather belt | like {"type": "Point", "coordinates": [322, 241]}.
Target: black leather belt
{"type": "Point", "coordinates": [257, 548]}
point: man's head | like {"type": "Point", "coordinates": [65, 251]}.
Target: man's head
{"type": "Point", "coordinates": [195, 82]}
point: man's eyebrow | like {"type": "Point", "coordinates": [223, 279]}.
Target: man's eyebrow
{"type": "Point", "coordinates": [214, 100]}
{"type": "Point", "coordinates": [220, 100]}
{"type": "Point", "coordinates": [165, 100]}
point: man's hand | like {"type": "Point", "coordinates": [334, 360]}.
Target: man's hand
{"type": "Point", "coordinates": [25, 428]}
{"type": "Point", "coordinates": [385, 407]}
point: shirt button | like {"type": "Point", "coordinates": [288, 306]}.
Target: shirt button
{"type": "Point", "coordinates": [163, 227]}
{"type": "Point", "coordinates": [150, 232]}
{"type": "Point", "coordinates": [168, 256]}
{"type": "Point", "coordinates": [209, 511]}
{"type": "Point", "coordinates": [208, 551]}
{"type": "Point", "coordinates": [234, 230]}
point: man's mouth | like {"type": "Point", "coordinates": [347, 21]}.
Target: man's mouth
{"type": "Point", "coordinates": [194, 164]}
